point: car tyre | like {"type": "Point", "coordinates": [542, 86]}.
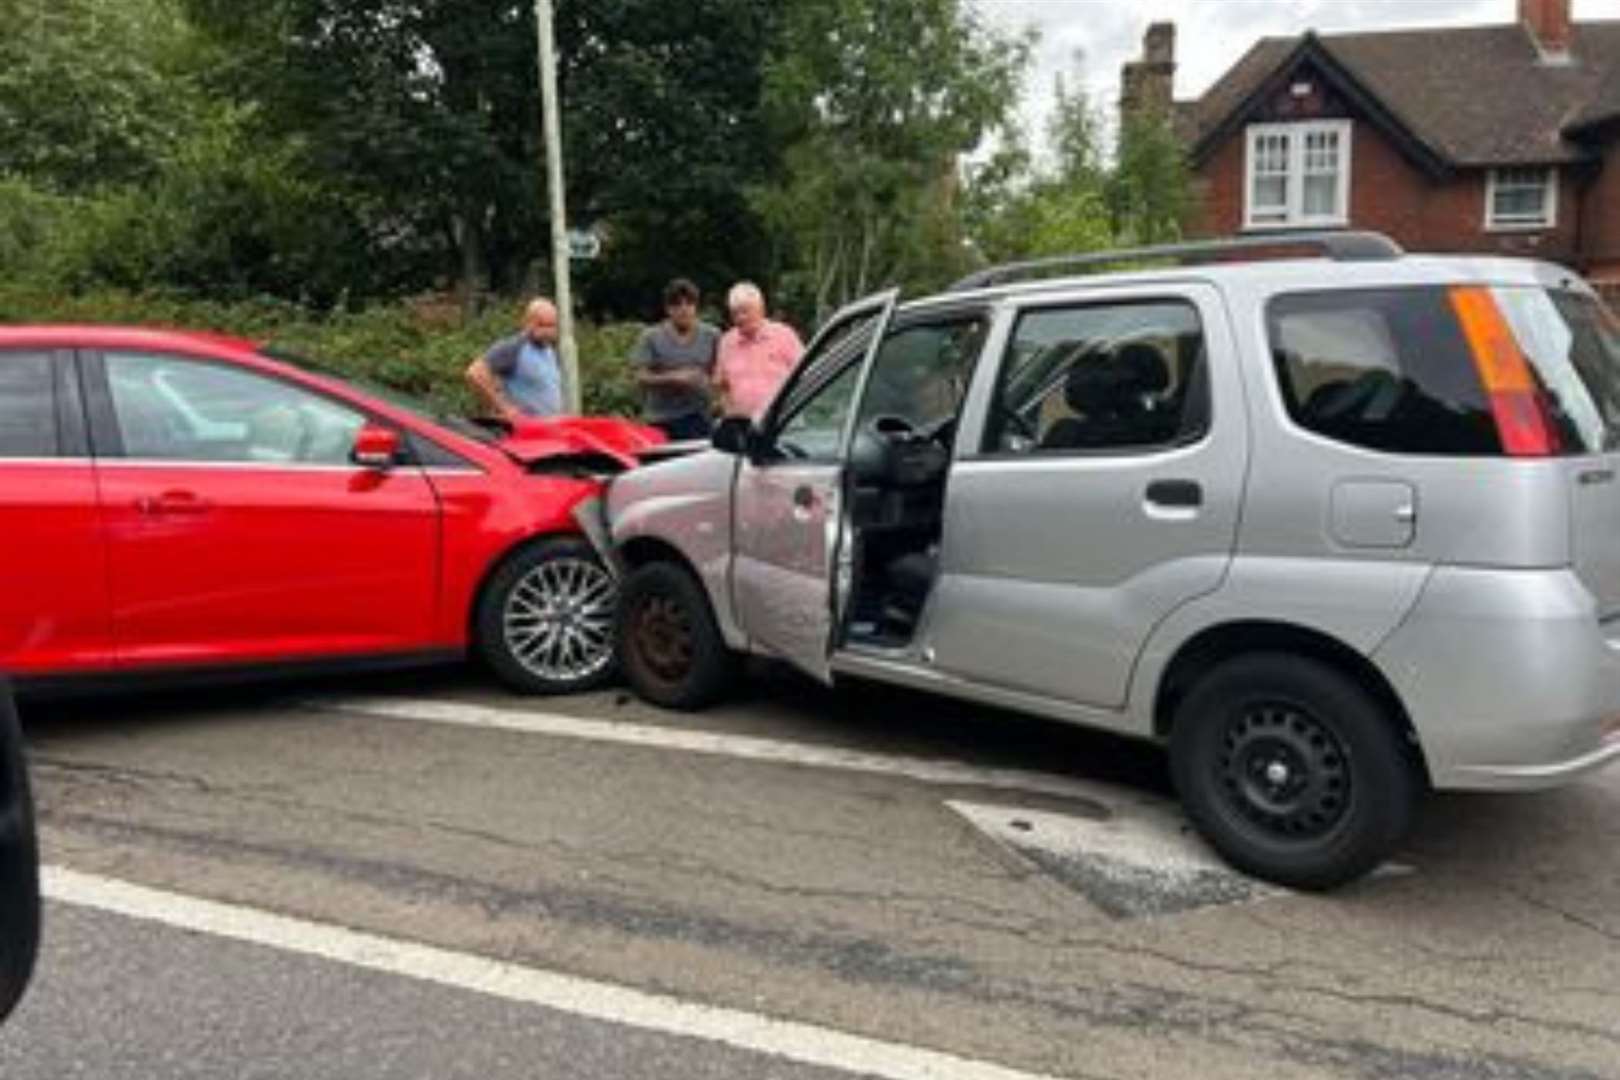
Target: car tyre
{"type": "Point", "coordinates": [1292, 771]}
{"type": "Point", "coordinates": [670, 646]}
{"type": "Point", "coordinates": [545, 618]}
{"type": "Point", "coordinates": [19, 862]}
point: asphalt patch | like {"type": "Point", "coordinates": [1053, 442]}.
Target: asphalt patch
{"type": "Point", "coordinates": [1141, 864]}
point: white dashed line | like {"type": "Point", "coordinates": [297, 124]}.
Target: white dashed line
{"type": "Point", "coordinates": [803, 1043]}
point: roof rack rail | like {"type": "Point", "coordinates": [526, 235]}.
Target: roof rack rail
{"type": "Point", "coordinates": [1339, 246]}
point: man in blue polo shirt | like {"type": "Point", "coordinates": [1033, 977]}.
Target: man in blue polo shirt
{"type": "Point", "coordinates": [520, 375]}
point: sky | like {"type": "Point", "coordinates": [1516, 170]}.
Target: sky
{"type": "Point", "coordinates": [1094, 37]}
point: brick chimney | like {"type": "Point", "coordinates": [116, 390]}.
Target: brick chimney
{"type": "Point", "coordinates": [1548, 24]}
{"type": "Point", "coordinates": [1147, 86]}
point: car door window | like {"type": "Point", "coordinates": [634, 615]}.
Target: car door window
{"type": "Point", "coordinates": [815, 428]}
{"type": "Point", "coordinates": [1105, 378]}
{"type": "Point", "coordinates": [27, 406]}
{"type": "Point", "coordinates": [921, 373]}
{"type": "Point", "coordinates": [175, 409]}
{"type": "Point", "coordinates": [1385, 369]}
{"type": "Point", "coordinates": [818, 407]}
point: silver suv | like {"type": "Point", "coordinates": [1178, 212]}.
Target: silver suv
{"type": "Point", "coordinates": [1334, 530]}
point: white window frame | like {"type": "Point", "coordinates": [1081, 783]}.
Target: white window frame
{"type": "Point", "coordinates": [1297, 134]}
{"type": "Point", "coordinates": [1549, 219]}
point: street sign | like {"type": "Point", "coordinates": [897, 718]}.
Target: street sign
{"type": "Point", "coordinates": [584, 244]}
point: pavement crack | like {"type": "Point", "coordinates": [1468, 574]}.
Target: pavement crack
{"type": "Point", "coordinates": [123, 775]}
{"type": "Point", "coordinates": [859, 958]}
{"type": "Point", "coordinates": [1010, 921]}
{"type": "Point", "coordinates": [1247, 971]}
{"type": "Point", "coordinates": [1539, 904]}
{"type": "Point", "coordinates": [1487, 1017]}
{"type": "Point", "coordinates": [261, 794]}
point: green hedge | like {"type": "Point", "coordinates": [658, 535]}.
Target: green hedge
{"type": "Point", "coordinates": [420, 346]}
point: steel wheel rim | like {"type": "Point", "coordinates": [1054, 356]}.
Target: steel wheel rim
{"type": "Point", "coordinates": [661, 633]}
{"type": "Point", "coordinates": [558, 620]}
{"type": "Point", "coordinates": [1285, 773]}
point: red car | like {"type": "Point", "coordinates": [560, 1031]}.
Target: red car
{"type": "Point", "coordinates": [188, 503]}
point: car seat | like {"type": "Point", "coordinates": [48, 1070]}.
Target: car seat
{"type": "Point", "coordinates": [1114, 398]}
{"type": "Point", "coordinates": [908, 580]}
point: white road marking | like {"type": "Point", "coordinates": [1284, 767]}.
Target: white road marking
{"type": "Point", "coordinates": [747, 747]}
{"type": "Point", "coordinates": [804, 1043]}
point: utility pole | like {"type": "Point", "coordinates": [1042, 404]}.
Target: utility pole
{"type": "Point", "coordinates": [559, 223]}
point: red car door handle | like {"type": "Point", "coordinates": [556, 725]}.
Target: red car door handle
{"type": "Point", "coordinates": [173, 502]}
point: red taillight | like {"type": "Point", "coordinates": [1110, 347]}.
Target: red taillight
{"type": "Point", "coordinates": [1520, 409]}
{"type": "Point", "coordinates": [1523, 424]}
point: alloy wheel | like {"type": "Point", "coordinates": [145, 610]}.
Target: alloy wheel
{"type": "Point", "coordinates": [558, 619]}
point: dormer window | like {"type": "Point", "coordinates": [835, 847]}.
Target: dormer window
{"type": "Point", "coordinates": [1298, 175]}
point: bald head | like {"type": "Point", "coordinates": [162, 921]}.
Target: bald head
{"type": "Point", "coordinates": [540, 321]}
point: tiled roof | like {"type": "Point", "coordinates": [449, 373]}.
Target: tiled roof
{"type": "Point", "coordinates": [1473, 96]}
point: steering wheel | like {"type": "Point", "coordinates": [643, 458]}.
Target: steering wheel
{"type": "Point", "coordinates": [944, 432]}
{"type": "Point", "coordinates": [891, 427]}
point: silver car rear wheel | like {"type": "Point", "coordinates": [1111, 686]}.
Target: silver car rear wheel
{"type": "Point", "coordinates": [1292, 769]}
{"type": "Point", "coordinates": [1284, 771]}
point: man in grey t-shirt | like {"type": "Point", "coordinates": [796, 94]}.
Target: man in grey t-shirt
{"type": "Point", "coordinates": [674, 361]}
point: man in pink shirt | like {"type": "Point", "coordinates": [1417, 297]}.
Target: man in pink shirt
{"type": "Point", "coordinates": [755, 356]}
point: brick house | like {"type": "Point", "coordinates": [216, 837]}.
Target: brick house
{"type": "Point", "coordinates": [1499, 139]}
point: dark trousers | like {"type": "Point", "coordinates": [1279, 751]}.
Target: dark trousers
{"type": "Point", "coordinates": [690, 426]}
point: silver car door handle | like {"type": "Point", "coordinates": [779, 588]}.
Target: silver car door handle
{"type": "Point", "coordinates": [1176, 494]}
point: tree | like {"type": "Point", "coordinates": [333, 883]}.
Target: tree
{"type": "Point", "coordinates": [1079, 201]}
{"type": "Point", "coordinates": [421, 113]}
{"type": "Point", "coordinates": [1026, 212]}
{"type": "Point", "coordinates": [124, 170]}
{"type": "Point", "coordinates": [426, 112]}
{"type": "Point", "coordinates": [664, 126]}
{"type": "Point", "coordinates": [876, 103]}
{"type": "Point", "coordinates": [1150, 190]}
{"type": "Point", "coordinates": [1075, 135]}
{"type": "Point", "coordinates": [92, 92]}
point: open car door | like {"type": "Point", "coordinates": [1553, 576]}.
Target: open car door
{"type": "Point", "coordinates": [789, 491]}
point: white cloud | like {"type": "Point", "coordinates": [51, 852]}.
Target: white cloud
{"type": "Point", "coordinates": [1097, 36]}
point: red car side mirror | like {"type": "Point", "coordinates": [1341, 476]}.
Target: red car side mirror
{"type": "Point", "coordinates": [375, 447]}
